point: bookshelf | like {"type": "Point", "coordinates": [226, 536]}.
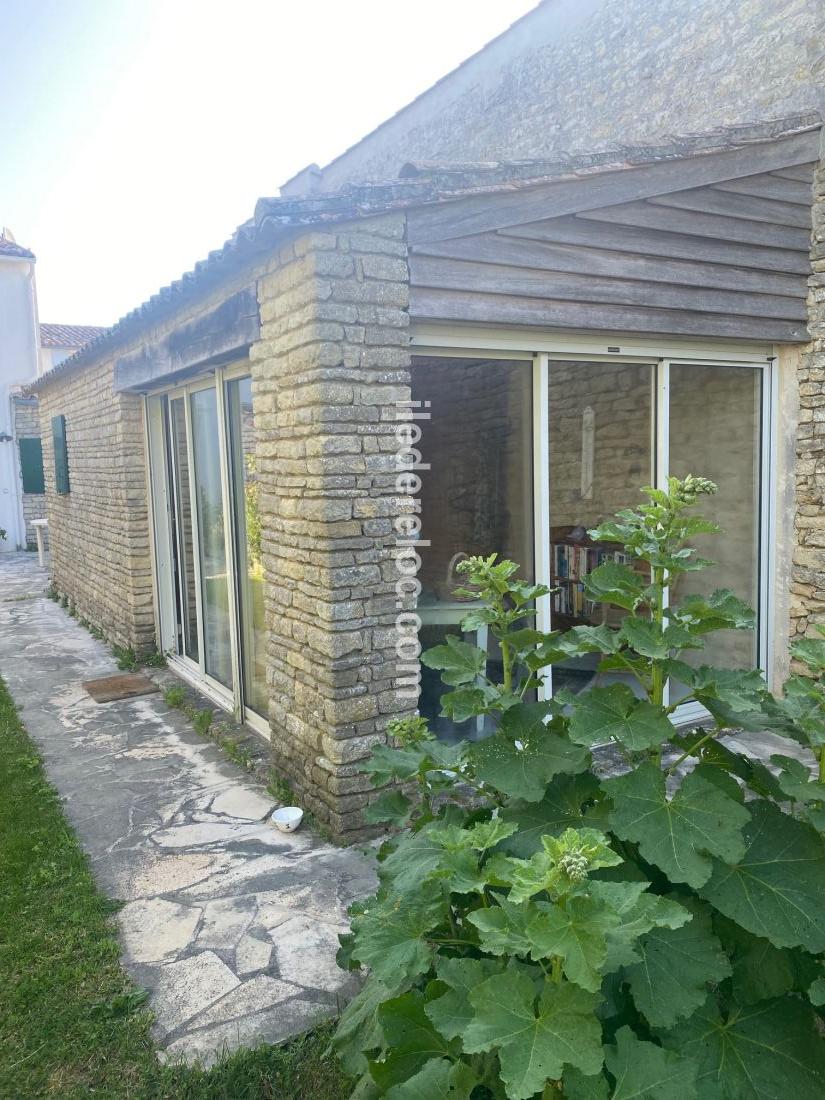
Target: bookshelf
{"type": "Point", "coordinates": [571, 559]}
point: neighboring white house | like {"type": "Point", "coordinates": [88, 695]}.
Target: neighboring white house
{"type": "Point", "coordinates": [27, 349]}
{"type": "Point", "coordinates": [58, 342]}
{"type": "Point", "coordinates": [19, 357]}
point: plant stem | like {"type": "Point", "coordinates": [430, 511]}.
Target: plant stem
{"type": "Point", "coordinates": [692, 751]}
{"type": "Point", "coordinates": [822, 764]}
{"type": "Point", "coordinates": [507, 667]}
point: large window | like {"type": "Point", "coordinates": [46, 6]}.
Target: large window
{"type": "Point", "coordinates": [527, 456]}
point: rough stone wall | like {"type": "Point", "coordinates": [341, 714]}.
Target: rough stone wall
{"type": "Point", "coordinates": [27, 426]}
{"type": "Point", "coordinates": [808, 576]}
{"type": "Point", "coordinates": [577, 76]}
{"type": "Point", "coordinates": [99, 530]}
{"type": "Point", "coordinates": [332, 362]}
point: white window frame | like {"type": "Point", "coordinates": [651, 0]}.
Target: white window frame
{"type": "Point", "coordinates": [542, 348]}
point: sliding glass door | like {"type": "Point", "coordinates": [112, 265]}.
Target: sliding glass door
{"type": "Point", "coordinates": [208, 537]}
{"type": "Point", "coordinates": [524, 456]}
{"type": "Point", "coordinates": [476, 498]}
{"type": "Point", "coordinates": [211, 516]}
{"type": "Point", "coordinates": [601, 450]}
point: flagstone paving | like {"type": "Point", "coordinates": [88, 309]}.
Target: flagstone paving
{"type": "Point", "coordinates": [231, 925]}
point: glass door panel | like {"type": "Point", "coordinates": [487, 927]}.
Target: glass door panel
{"type": "Point", "coordinates": [185, 578]}
{"type": "Point", "coordinates": [214, 583]}
{"type": "Point", "coordinates": [715, 432]}
{"type": "Point", "coordinates": [600, 454]}
{"type": "Point", "coordinates": [244, 482]}
{"type": "Point", "coordinates": [476, 497]}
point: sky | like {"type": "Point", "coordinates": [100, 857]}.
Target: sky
{"type": "Point", "coordinates": [137, 134]}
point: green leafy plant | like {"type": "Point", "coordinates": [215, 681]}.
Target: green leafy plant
{"type": "Point", "coordinates": [174, 696]}
{"type": "Point", "coordinates": [545, 929]}
{"type": "Point", "coordinates": [125, 658]}
{"type": "Point", "coordinates": [201, 720]}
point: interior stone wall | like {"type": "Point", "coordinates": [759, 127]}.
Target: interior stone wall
{"type": "Point", "coordinates": [620, 397]}
{"type": "Point", "coordinates": [477, 497]}
{"type": "Point", "coordinates": [99, 530]}
{"type": "Point", "coordinates": [332, 362]}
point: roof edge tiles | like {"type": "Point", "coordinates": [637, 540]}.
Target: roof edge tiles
{"type": "Point", "coordinates": [420, 184]}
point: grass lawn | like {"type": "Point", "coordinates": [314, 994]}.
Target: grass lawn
{"type": "Point", "coordinates": [71, 1023]}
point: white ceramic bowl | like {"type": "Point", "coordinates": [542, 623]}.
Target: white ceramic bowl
{"type": "Point", "coordinates": [287, 818]}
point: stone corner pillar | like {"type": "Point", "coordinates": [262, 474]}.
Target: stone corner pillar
{"type": "Point", "coordinates": [329, 374]}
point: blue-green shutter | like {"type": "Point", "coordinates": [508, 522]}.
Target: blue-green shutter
{"type": "Point", "coordinates": [31, 465]}
{"type": "Point", "coordinates": [61, 456]}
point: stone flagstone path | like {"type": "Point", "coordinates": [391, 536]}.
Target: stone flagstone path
{"type": "Point", "coordinates": [231, 925]}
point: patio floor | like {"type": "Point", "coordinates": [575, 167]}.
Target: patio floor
{"type": "Point", "coordinates": [231, 925]}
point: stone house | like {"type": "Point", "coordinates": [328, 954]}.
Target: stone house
{"type": "Point", "coordinates": [592, 255]}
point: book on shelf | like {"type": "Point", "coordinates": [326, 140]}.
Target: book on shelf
{"type": "Point", "coordinates": [570, 564]}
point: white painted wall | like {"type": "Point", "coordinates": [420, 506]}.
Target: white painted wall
{"type": "Point", "coordinates": [18, 365]}
{"type": "Point", "coordinates": [51, 357]}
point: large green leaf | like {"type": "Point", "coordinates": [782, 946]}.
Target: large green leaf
{"type": "Point", "coordinates": [358, 1028]}
{"type": "Point", "coordinates": [439, 1079]}
{"type": "Point", "coordinates": [722, 610]}
{"type": "Point", "coordinates": [653, 639]}
{"type": "Point", "coordinates": [580, 1086]}
{"type": "Point", "coordinates": [390, 932]}
{"type": "Point", "coordinates": [800, 713]}
{"type": "Point", "coordinates": [526, 753]}
{"type": "Point", "coordinates": [735, 697]}
{"type": "Point", "coordinates": [615, 584]}
{"type": "Point", "coordinates": [769, 1051]}
{"type": "Point", "coordinates": [392, 806]}
{"type": "Point", "coordinates": [387, 764]}
{"type": "Point", "coordinates": [678, 834]}
{"type": "Point", "coordinates": [776, 888]}
{"type": "Point", "coordinates": [671, 979]}
{"type": "Point", "coordinates": [534, 1041]}
{"type": "Point", "coordinates": [644, 1071]}
{"type": "Point", "coordinates": [451, 1012]}
{"type": "Point", "coordinates": [811, 651]}
{"type": "Point", "coordinates": [414, 858]}
{"type": "Point", "coordinates": [505, 929]}
{"type": "Point", "coordinates": [567, 803]}
{"type": "Point", "coordinates": [458, 661]}
{"type": "Point", "coordinates": [614, 713]}
{"type": "Point", "coordinates": [578, 934]}
{"type": "Point", "coordinates": [761, 971]}
{"type": "Point", "coordinates": [638, 912]}
{"type": "Point", "coordinates": [410, 1040]}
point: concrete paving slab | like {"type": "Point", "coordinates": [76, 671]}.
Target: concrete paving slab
{"type": "Point", "coordinates": [230, 924]}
